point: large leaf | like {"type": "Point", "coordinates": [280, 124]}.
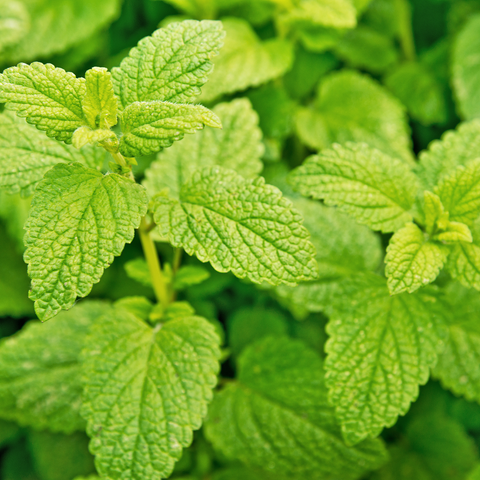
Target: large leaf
{"type": "Point", "coordinates": [27, 154]}
{"type": "Point", "coordinates": [146, 390]}
{"type": "Point", "coordinates": [40, 374]}
{"type": "Point", "coordinates": [79, 221]}
{"type": "Point", "coordinates": [353, 107]}
{"type": "Point", "coordinates": [377, 190]}
{"type": "Point", "coordinates": [381, 348]}
{"type": "Point", "coordinates": [240, 225]}
{"type": "Point", "coordinates": [50, 98]}
{"type": "Point", "coordinates": [171, 65]}
{"type": "Point", "coordinates": [245, 61]}
{"type": "Point", "coordinates": [276, 417]}
{"type": "Point", "coordinates": [237, 145]}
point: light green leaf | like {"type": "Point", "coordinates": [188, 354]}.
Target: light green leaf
{"type": "Point", "coordinates": [245, 61]}
{"type": "Point", "coordinates": [171, 65]}
{"type": "Point", "coordinates": [154, 383]}
{"type": "Point", "coordinates": [240, 225]}
{"type": "Point", "coordinates": [14, 22]}
{"type": "Point", "coordinates": [99, 104]}
{"type": "Point", "coordinates": [464, 263]}
{"type": "Point", "coordinates": [466, 69]}
{"type": "Point", "coordinates": [237, 146]}
{"type": "Point", "coordinates": [457, 147]}
{"type": "Point", "coordinates": [138, 270]}
{"type": "Point", "coordinates": [40, 378]}
{"type": "Point", "coordinates": [85, 136]}
{"type": "Point", "coordinates": [50, 98]}
{"type": "Point", "coordinates": [380, 350]}
{"type": "Point", "coordinates": [412, 261]}
{"type": "Point", "coordinates": [57, 25]}
{"type": "Point", "coordinates": [276, 417]}
{"type": "Point", "coordinates": [366, 48]}
{"type": "Point", "coordinates": [79, 221]}
{"type": "Point", "coordinates": [14, 211]}
{"type": "Point", "coordinates": [460, 192]}
{"type": "Point", "coordinates": [435, 214]}
{"type": "Point", "coordinates": [27, 154]}
{"type": "Point", "coordinates": [475, 473]}
{"type": "Point", "coordinates": [189, 275]}
{"type": "Point", "coordinates": [150, 126]}
{"type": "Point", "coordinates": [458, 366]}
{"type": "Point", "coordinates": [353, 107]}
{"type": "Point", "coordinates": [454, 233]}
{"type": "Point", "coordinates": [377, 190]}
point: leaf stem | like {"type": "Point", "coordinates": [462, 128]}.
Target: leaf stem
{"type": "Point", "coordinates": [177, 258]}
{"type": "Point", "coordinates": [158, 280]}
{"type": "Point", "coordinates": [405, 32]}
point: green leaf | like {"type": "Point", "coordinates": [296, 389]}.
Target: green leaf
{"type": "Point", "coordinates": [138, 270]}
{"type": "Point", "coordinates": [366, 48]}
{"type": "Point", "coordinates": [50, 98]}
{"type": "Point", "coordinates": [412, 261]}
{"type": "Point", "coordinates": [276, 417]}
{"type": "Point", "coordinates": [464, 262]}
{"type": "Point", "coordinates": [237, 145]}
{"type": "Point", "coordinates": [40, 379]}
{"type": "Point", "coordinates": [457, 147]}
{"type": "Point", "coordinates": [377, 190]}
{"type": "Point", "coordinates": [245, 61]}
{"type": "Point", "coordinates": [240, 225]}
{"type": "Point", "coordinates": [153, 383]}
{"type": "Point", "coordinates": [458, 367]}
{"type": "Point", "coordinates": [380, 349]}
{"type": "Point", "coordinates": [85, 135]}
{"type": "Point", "coordinates": [418, 89]}
{"type": "Point", "coordinates": [57, 25]}
{"type": "Point", "coordinates": [79, 221]}
{"type": "Point", "coordinates": [460, 192]}
{"type": "Point", "coordinates": [27, 154]}
{"type": "Point", "coordinates": [171, 65]}
{"type": "Point", "coordinates": [353, 107]}
{"type": "Point", "coordinates": [189, 275]}
{"type": "Point", "coordinates": [14, 22]}
{"type": "Point", "coordinates": [150, 126]}
{"type": "Point", "coordinates": [99, 104]}
{"type": "Point", "coordinates": [466, 69]}
{"type": "Point", "coordinates": [14, 211]}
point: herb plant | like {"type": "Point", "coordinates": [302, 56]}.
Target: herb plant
{"type": "Point", "coordinates": [292, 267]}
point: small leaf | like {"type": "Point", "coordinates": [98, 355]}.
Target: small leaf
{"type": "Point", "coordinates": [27, 154]}
{"type": "Point", "coordinates": [50, 98]}
{"type": "Point", "coordinates": [276, 417]}
{"type": "Point", "coordinates": [412, 261]}
{"type": "Point", "coordinates": [216, 219]}
{"type": "Point", "coordinates": [455, 232]}
{"type": "Point", "coordinates": [150, 126]}
{"type": "Point", "coordinates": [237, 145]}
{"type": "Point", "coordinates": [189, 275]}
{"type": "Point", "coordinates": [171, 65]}
{"type": "Point", "coordinates": [99, 104]}
{"type": "Point", "coordinates": [153, 383]}
{"type": "Point", "coordinates": [377, 190]}
{"type": "Point", "coordinates": [40, 378]}
{"type": "Point", "coordinates": [380, 349]}
{"type": "Point", "coordinates": [14, 22]}
{"type": "Point", "coordinates": [85, 136]}
{"type": "Point", "coordinates": [435, 214]}
{"type": "Point", "coordinates": [79, 221]}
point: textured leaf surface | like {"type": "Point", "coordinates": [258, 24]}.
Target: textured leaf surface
{"type": "Point", "coordinates": [457, 147]}
{"type": "Point", "coordinates": [377, 190]}
{"type": "Point", "coordinates": [245, 61]}
{"type": "Point", "coordinates": [150, 126]}
{"type": "Point", "coordinates": [27, 154]}
{"type": "Point", "coordinates": [353, 107]}
{"type": "Point", "coordinates": [460, 192]}
{"type": "Point", "coordinates": [152, 383]}
{"type": "Point", "coordinates": [466, 69]}
{"type": "Point", "coordinates": [14, 22]}
{"type": "Point", "coordinates": [40, 378]}
{"type": "Point", "coordinates": [50, 98]}
{"type": "Point", "coordinates": [56, 25]}
{"type": "Point", "coordinates": [240, 225]}
{"type": "Point", "coordinates": [380, 349]}
{"type": "Point", "coordinates": [276, 417]}
{"type": "Point", "coordinates": [80, 220]}
{"type": "Point", "coordinates": [412, 261]}
{"type": "Point", "coordinates": [458, 366]}
{"type": "Point", "coordinates": [85, 136]}
{"type": "Point", "coordinates": [171, 65]}
{"type": "Point", "coordinates": [237, 145]}
{"type": "Point", "coordinates": [99, 104]}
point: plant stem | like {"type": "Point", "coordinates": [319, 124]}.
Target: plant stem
{"type": "Point", "coordinates": [405, 33]}
{"type": "Point", "coordinates": [177, 258]}
{"type": "Point", "coordinates": [158, 280]}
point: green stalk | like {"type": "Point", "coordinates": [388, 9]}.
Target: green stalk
{"type": "Point", "coordinates": [405, 33]}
